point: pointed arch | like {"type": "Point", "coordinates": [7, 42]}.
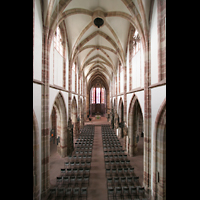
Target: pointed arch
{"type": "Point", "coordinates": [60, 107]}
{"type": "Point", "coordinates": [36, 187]}
{"type": "Point", "coordinates": [135, 124]}
{"type": "Point", "coordinates": [74, 110]}
{"type": "Point", "coordinates": [159, 153]}
{"type": "Point", "coordinates": [74, 117]}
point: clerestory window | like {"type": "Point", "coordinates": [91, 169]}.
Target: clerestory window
{"type": "Point", "coordinates": [58, 41]}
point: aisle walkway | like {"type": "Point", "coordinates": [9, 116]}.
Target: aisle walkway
{"type": "Point", "coordinates": [97, 189]}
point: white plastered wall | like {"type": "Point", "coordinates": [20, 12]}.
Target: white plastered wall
{"type": "Point", "coordinates": [154, 45]}
{"type": "Point", "coordinates": [51, 65]}
{"type": "Point", "coordinates": [37, 52]}
{"type": "Point", "coordinates": [58, 68]}
{"type": "Point", "coordinates": [136, 70]}
{"type": "Point", "coordinates": [127, 69]}
{"type": "Point", "coordinates": [122, 81]}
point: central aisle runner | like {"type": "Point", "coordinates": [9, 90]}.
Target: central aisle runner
{"type": "Point", "coordinates": [97, 189]}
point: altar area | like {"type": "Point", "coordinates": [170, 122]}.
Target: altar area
{"type": "Point", "coordinates": [98, 116]}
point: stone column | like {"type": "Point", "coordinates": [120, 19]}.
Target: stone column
{"type": "Point", "coordinates": [147, 116]}
{"type": "Point", "coordinates": [70, 137]}
{"type": "Point", "coordinates": [116, 121]}
{"type": "Point", "coordinates": [125, 132]}
{"type": "Point", "coordinates": [45, 134]}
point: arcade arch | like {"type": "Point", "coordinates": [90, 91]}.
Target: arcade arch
{"type": "Point", "coordinates": [135, 125]}
{"type": "Point", "coordinates": [58, 128]}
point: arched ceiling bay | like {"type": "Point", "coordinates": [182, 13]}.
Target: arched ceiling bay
{"type": "Point", "coordinates": [96, 50]}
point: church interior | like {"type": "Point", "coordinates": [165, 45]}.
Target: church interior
{"type": "Point", "coordinates": [99, 99]}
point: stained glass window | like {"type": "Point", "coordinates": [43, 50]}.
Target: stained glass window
{"type": "Point", "coordinates": [97, 95]}
{"type": "Point", "coordinates": [93, 95]}
{"type": "Point", "coordinates": [102, 95]}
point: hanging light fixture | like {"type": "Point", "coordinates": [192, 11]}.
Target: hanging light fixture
{"type": "Point", "coordinates": [98, 22]}
{"type": "Point", "coordinates": [98, 17]}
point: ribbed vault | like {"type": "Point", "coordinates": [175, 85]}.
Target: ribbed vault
{"type": "Point", "coordinates": [97, 52]}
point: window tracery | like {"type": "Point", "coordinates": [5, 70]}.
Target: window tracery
{"type": "Point", "coordinates": [58, 41]}
{"type": "Point", "coordinates": [136, 42]}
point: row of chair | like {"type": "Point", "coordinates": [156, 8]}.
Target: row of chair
{"type": "Point", "coordinates": [110, 141]}
{"type": "Point", "coordinates": [77, 164]}
{"type": "Point", "coordinates": [83, 152]}
{"type": "Point", "coordinates": [126, 192]}
{"type": "Point", "coordinates": [106, 134]}
{"type": "Point", "coordinates": [77, 170]}
{"type": "Point", "coordinates": [115, 156]}
{"type": "Point", "coordinates": [122, 181]}
{"type": "Point", "coordinates": [83, 145]}
{"type": "Point", "coordinates": [86, 134]}
{"type": "Point", "coordinates": [113, 152]}
{"type": "Point", "coordinates": [85, 139]}
{"type": "Point", "coordinates": [65, 193]}
{"type": "Point", "coordinates": [126, 171]}
{"type": "Point", "coordinates": [83, 148]}
{"type": "Point", "coordinates": [123, 163]}
{"type": "Point", "coordinates": [109, 148]}
{"type": "Point", "coordinates": [111, 137]}
{"type": "Point", "coordinates": [118, 146]}
{"type": "Point", "coordinates": [107, 131]}
{"type": "Point", "coordinates": [72, 181]}
{"type": "Point", "coordinates": [80, 158]}
{"type": "Point", "coordinates": [121, 168]}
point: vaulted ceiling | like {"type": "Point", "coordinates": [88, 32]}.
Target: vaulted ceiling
{"type": "Point", "coordinates": [97, 51]}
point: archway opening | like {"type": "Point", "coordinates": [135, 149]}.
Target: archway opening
{"type": "Point", "coordinates": [75, 119]}
{"type": "Point", "coordinates": [55, 130]}
{"type": "Point", "coordinates": [121, 119]}
{"type": "Point", "coordinates": [58, 128]}
{"type": "Point", "coordinates": [136, 137]}
{"type": "Point", "coordinates": [135, 126]}
{"type": "Point", "coordinates": [159, 154]}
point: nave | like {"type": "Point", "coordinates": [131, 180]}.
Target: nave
{"type": "Point", "coordinates": [104, 166]}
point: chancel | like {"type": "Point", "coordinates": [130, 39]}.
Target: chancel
{"type": "Point", "coordinates": [99, 99]}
